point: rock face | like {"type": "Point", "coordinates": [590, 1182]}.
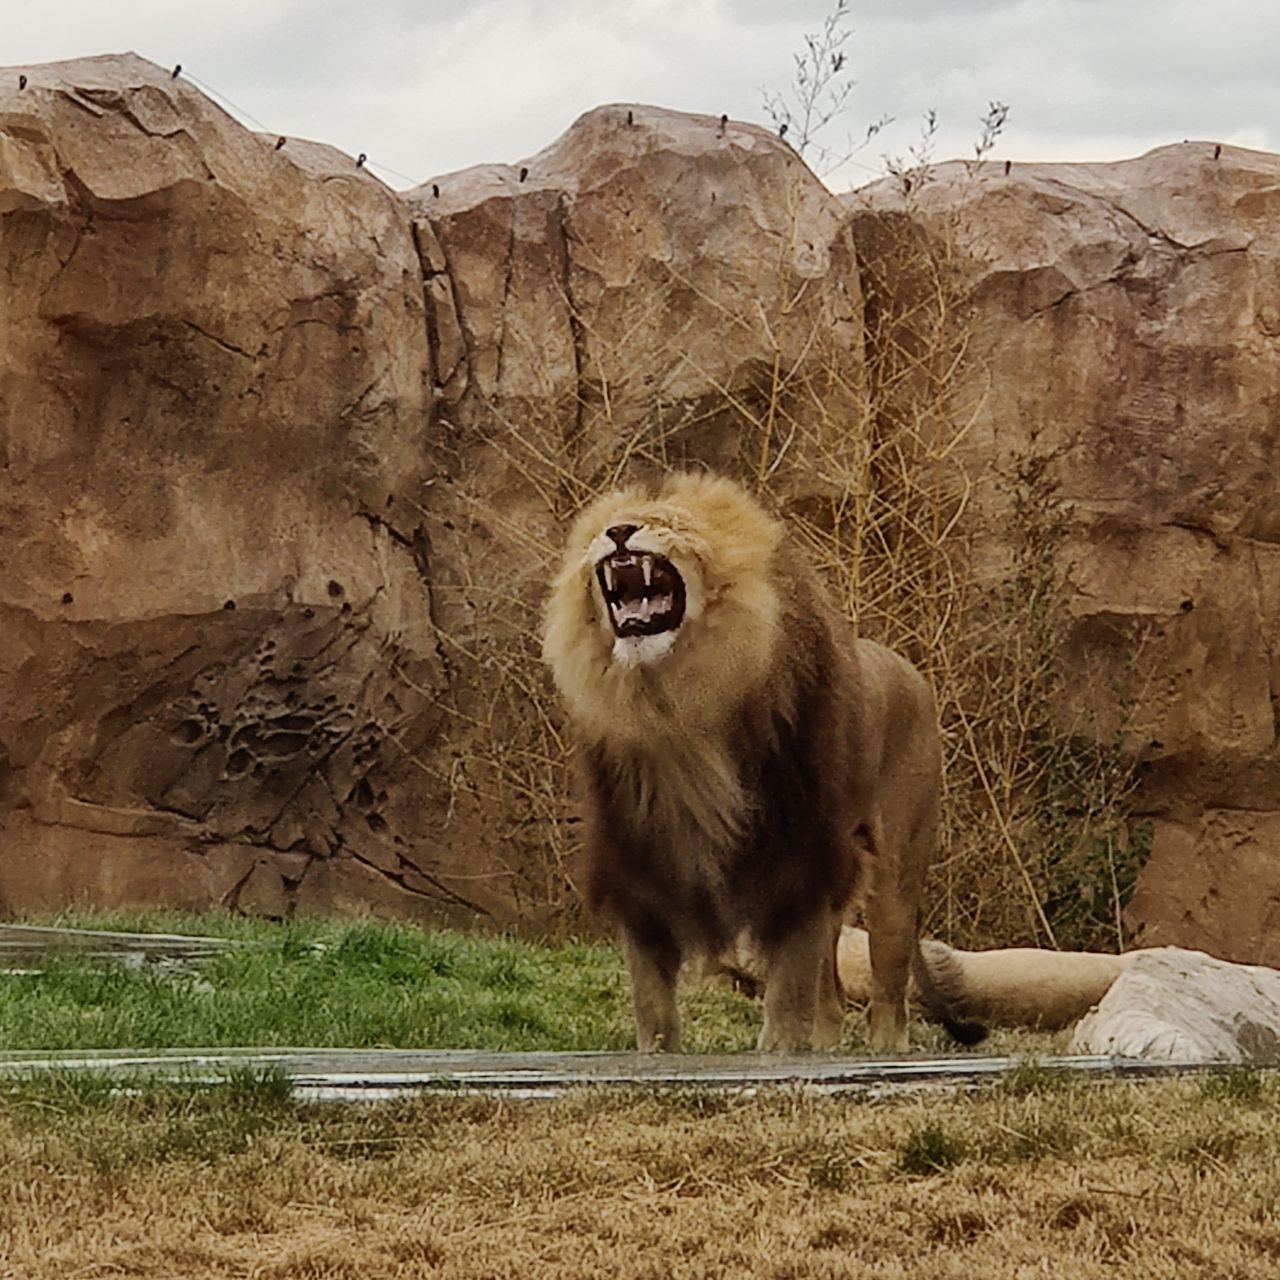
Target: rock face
{"type": "Point", "coordinates": [276, 446]}
{"type": "Point", "coordinates": [1184, 1006]}
{"type": "Point", "coordinates": [283, 457]}
{"type": "Point", "coordinates": [1128, 321]}
{"type": "Point", "coordinates": [632, 265]}
{"type": "Point", "coordinates": [213, 410]}
{"type": "Point", "coordinates": [619, 302]}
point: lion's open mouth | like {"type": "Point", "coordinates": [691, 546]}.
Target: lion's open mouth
{"type": "Point", "coordinates": [644, 593]}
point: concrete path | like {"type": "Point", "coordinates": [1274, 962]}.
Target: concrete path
{"type": "Point", "coordinates": [25, 945]}
{"type": "Point", "coordinates": [373, 1074]}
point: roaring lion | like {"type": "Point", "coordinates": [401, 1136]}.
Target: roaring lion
{"type": "Point", "coordinates": [744, 761]}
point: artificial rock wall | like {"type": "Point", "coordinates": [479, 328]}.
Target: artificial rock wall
{"type": "Point", "coordinates": [272, 438]}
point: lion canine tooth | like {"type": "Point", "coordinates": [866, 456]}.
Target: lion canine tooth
{"type": "Point", "coordinates": [647, 564]}
{"type": "Point", "coordinates": [608, 575]}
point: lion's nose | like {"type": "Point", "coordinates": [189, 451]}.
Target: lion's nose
{"type": "Point", "coordinates": [620, 533]}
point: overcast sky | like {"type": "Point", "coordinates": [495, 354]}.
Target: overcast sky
{"type": "Point", "coordinates": [427, 86]}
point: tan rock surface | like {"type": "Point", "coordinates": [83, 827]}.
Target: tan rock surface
{"type": "Point", "coordinates": [263, 422]}
{"type": "Point", "coordinates": [619, 302]}
{"type": "Point", "coordinates": [1127, 321]}
{"type": "Point", "coordinates": [223, 406]}
{"type": "Point", "coordinates": [212, 417]}
{"type": "Point", "coordinates": [1213, 880]}
{"type": "Point", "coordinates": [625, 266]}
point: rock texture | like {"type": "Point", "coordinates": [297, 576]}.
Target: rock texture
{"type": "Point", "coordinates": [621, 299]}
{"type": "Point", "coordinates": [620, 302]}
{"type": "Point", "coordinates": [275, 446]}
{"type": "Point", "coordinates": [1127, 321]}
{"type": "Point", "coordinates": [634, 260]}
{"type": "Point", "coordinates": [213, 411]}
{"type": "Point", "coordinates": [1184, 1006]}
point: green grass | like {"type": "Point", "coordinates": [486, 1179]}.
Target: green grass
{"type": "Point", "coordinates": [358, 985]}
{"type": "Point", "coordinates": [367, 985]}
{"type": "Point", "coordinates": [929, 1149]}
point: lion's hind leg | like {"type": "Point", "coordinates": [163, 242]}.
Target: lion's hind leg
{"type": "Point", "coordinates": [828, 1023]}
{"type": "Point", "coordinates": [892, 944]}
{"type": "Point", "coordinates": [892, 912]}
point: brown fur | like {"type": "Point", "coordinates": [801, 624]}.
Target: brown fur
{"type": "Point", "coordinates": [735, 786]}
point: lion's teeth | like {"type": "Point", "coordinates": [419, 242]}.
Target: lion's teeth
{"type": "Point", "coordinates": [648, 572]}
{"type": "Point", "coordinates": [608, 575]}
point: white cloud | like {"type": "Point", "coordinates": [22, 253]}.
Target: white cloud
{"type": "Point", "coordinates": [428, 87]}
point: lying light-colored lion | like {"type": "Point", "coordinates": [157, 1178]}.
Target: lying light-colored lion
{"type": "Point", "coordinates": [744, 761]}
{"type": "Point", "coordinates": [1005, 986]}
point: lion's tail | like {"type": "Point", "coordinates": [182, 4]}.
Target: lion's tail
{"type": "Point", "coordinates": [940, 988]}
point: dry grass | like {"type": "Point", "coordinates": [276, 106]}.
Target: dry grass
{"type": "Point", "coordinates": [1037, 1178]}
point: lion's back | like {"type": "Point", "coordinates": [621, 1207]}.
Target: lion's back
{"type": "Point", "coordinates": [899, 756]}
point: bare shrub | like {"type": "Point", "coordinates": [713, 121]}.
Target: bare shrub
{"type": "Point", "coordinates": [818, 96]}
{"type": "Point", "coordinates": [857, 427]}
{"type": "Point", "coordinates": [964, 566]}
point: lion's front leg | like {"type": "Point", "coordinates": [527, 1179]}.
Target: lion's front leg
{"type": "Point", "coordinates": [653, 968]}
{"type": "Point", "coordinates": [802, 1007]}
